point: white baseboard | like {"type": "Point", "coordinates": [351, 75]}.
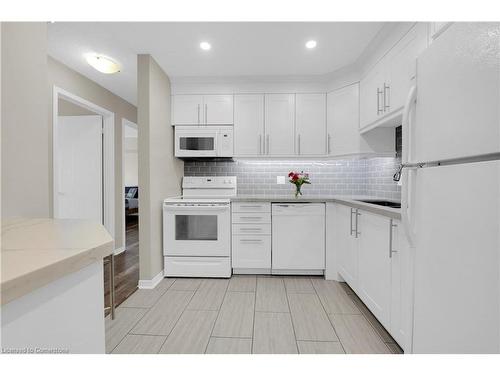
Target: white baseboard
{"type": "Point", "coordinates": [151, 284]}
{"type": "Point", "coordinates": [119, 250]}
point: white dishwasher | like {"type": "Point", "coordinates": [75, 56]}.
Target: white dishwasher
{"type": "Point", "coordinates": [298, 238]}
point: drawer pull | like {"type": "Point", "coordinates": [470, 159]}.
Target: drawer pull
{"type": "Point", "coordinates": [251, 218]}
{"type": "Point", "coordinates": [250, 240]}
{"type": "Point", "coordinates": [251, 229]}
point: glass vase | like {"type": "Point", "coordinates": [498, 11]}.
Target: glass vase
{"type": "Point", "coordinates": [297, 190]}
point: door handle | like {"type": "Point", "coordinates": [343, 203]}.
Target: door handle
{"type": "Point", "coordinates": [390, 238]}
{"type": "Point", "coordinates": [260, 144]}
{"type": "Point", "coordinates": [198, 113]}
{"type": "Point", "coordinates": [379, 104]}
{"type": "Point", "coordinates": [352, 211]}
{"type": "Point", "coordinates": [268, 143]}
{"type": "Point", "coordinates": [357, 214]}
{"type": "Point", "coordinates": [329, 150]}
{"type": "Point", "coordinates": [387, 92]}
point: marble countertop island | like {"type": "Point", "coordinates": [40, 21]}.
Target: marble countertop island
{"type": "Point", "coordinates": [36, 252]}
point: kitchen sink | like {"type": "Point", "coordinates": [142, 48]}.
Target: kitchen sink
{"type": "Point", "coordinates": [381, 203]}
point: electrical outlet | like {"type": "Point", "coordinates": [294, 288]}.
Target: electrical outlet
{"type": "Point", "coordinates": [280, 180]}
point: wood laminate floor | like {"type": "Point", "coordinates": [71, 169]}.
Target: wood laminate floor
{"type": "Point", "coordinates": [247, 314]}
{"type": "Point", "coordinates": [126, 265]}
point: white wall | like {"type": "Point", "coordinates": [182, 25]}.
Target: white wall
{"type": "Point", "coordinates": [25, 129]}
{"type": "Point", "coordinates": [130, 161]}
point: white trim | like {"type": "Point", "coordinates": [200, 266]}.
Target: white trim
{"type": "Point", "coordinates": [108, 155]}
{"type": "Point", "coordinates": [119, 250]}
{"type": "Point", "coordinates": [151, 284]}
{"type": "Point", "coordinates": [125, 122]}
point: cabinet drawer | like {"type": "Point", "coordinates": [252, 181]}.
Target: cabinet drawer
{"type": "Point", "coordinates": [251, 252]}
{"type": "Point", "coordinates": [251, 229]}
{"type": "Point", "coordinates": [250, 217]}
{"type": "Point", "coordinates": [251, 207]}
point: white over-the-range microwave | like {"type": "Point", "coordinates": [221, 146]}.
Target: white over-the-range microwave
{"type": "Point", "coordinates": [203, 141]}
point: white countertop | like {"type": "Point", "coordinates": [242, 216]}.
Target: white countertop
{"type": "Point", "coordinates": [36, 252]}
{"type": "Point", "coordinates": [351, 200]}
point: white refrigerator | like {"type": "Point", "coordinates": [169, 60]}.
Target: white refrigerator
{"type": "Point", "coordinates": [451, 191]}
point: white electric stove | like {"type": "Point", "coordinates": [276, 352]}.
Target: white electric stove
{"type": "Point", "coordinates": [197, 228]}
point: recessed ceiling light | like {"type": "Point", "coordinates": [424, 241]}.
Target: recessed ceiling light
{"type": "Point", "coordinates": [311, 44]}
{"type": "Point", "coordinates": [102, 63]}
{"type": "Point", "coordinates": [205, 46]}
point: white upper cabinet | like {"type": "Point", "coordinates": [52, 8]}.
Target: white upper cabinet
{"type": "Point", "coordinates": [374, 265]}
{"type": "Point", "coordinates": [187, 109]}
{"type": "Point", "coordinates": [401, 67]}
{"type": "Point", "coordinates": [310, 117]}
{"type": "Point", "coordinates": [202, 109]}
{"type": "Point", "coordinates": [343, 136]}
{"type": "Point", "coordinates": [249, 125]}
{"type": "Point", "coordinates": [280, 124]}
{"type": "Point", "coordinates": [384, 88]}
{"type": "Point", "coordinates": [218, 109]}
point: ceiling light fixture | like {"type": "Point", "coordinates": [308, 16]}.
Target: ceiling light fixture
{"type": "Point", "coordinates": [311, 44]}
{"type": "Point", "coordinates": [205, 46]}
{"type": "Point", "coordinates": [102, 63]}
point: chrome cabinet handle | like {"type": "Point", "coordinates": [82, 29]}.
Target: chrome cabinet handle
{"type": "Point", "coordinates": [206, 113]}
{"type": "Point", "coordinates": [268, 142]}
{"type": "Point", "coordinates": [198, 113]}
{"type": "Point", "coordinates": [352, 211]}
{"type": "Point", "coordinates": [298, 144]}
{"type": "Point", "coordinates": [260, 144]}
{"type": "Point", "coordinates": [251, 229]}
{"type": "Point", "coordinates": [251, 218]}
{"type": "Point", "coordinates": [391, 231]}
{"type": "Point", "coordinates": [357, 214]}
{"type": "Point", "coordinates": [386, 96]}
{"type": "Point", "coordinates": [250, 240]}
{"type": "Point", "coordinates": [379, 110]}
{"type": "Point", "coordinates": [329, 149]}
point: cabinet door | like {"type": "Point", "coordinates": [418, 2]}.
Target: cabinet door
{"type": "Point", "coordinates": [347, 251]}
{"type": "Point", "coordinates": [374, 272]}
{"type": "Point", "coordinates": [343, 136]}
{"type": "Point", "coordinates": [218, 109]}
{"type": "Point", "coordinates": [371, 96]}
{"type": "Point", "coordinates": [187, 109]}
{"type": "Point", "coordinates": [248, 125]}
{"type": "Point", "coordinates": [310, 117]}
{"type": "Point", "coordinates": [401, 64]}
{"type": "Point", "coordinates": [401, 289]}
{"type": "Point", "coordinates": [280, 124]}
{"type": "Point", "coordinates": [251, 252]}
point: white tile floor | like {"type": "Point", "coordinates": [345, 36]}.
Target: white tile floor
{"type": "Point", "coordinates": [246, 314]}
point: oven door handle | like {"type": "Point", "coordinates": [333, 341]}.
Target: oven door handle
{"type": "Point", "coordinates": [194, 209]}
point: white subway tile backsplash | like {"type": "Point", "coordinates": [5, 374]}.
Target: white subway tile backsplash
{"type": "Point", "coordinates": [370, 176]}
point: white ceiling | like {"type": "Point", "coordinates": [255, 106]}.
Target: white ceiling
{"type": "Point", "coordinates": [238, 49]}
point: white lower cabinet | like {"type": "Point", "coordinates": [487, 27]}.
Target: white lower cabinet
{"type": "Point", "coordinates": [251, 237]}
{"type": "Point", "coordinates": [371, 254]}
{"type": "Point", "coordinates": [346, 244]}
{"type": "Point", "coordinates": [374, 265]}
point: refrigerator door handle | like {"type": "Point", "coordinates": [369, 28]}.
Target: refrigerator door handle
{"type": "Point", "coordinates": [405, 172]}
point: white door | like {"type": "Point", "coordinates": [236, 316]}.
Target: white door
{"type": "Point", "coordinates": [248, 125]}
{"type": "Point", "coordinates": [457, 295]}
{"type": "Point", "coordinates": [458, 94]}
{"type": "Point", "coordinates": [310, 117]}
{"type": "Point", "coordinates": [79, 168]}
{"type": "Point", "coordinates": [343, 121]}
{"type": "Point", "coordinates": [187, 109]}
{"type": "Point", "coordinates": [374, 265]}
{"type": "Point", "coordinates": [218, 109]}
{"type": "Point", "coordinates": [401, 288]}
{"type": "Point", "coordinates": [280, 124]}
{"type": "Point", "coordinates": [347, 245]}
{"type": "Point", "coordinates": [371, 96]}
{"type": "Point", "coordinates": [402, 68]}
